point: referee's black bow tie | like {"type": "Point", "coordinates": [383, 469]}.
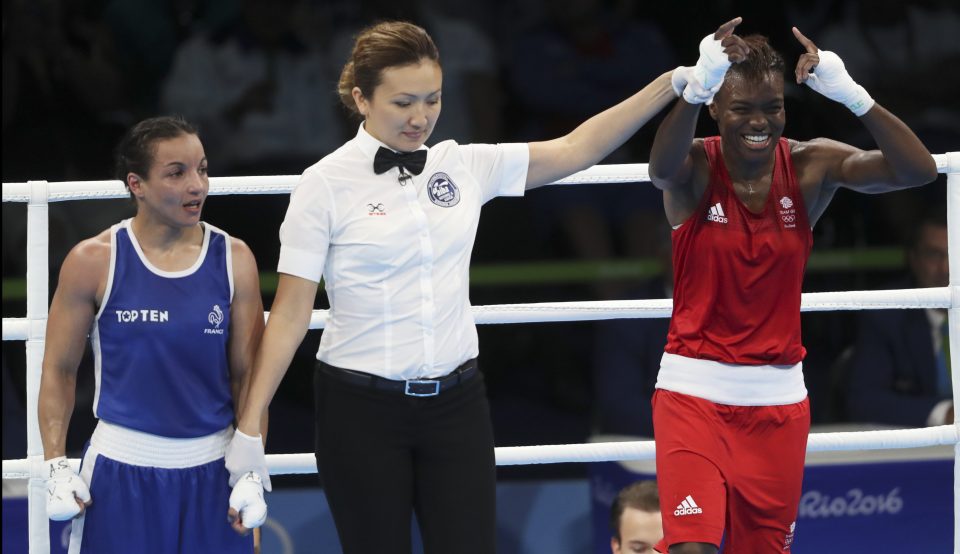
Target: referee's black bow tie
{"type": "Point", "coordinates": [410, 161]}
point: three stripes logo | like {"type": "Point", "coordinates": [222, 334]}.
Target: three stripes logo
{"type": "Point", "coordinates": [716, 214]}
{"type": "Point", "coordinates": [688, 507]}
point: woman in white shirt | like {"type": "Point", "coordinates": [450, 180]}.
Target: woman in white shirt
{"type": "Point", "coordinates": [402, 420]}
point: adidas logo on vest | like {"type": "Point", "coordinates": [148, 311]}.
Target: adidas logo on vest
{"type": "Point", "coordinates": [687, 507]}
{"type": "Point", "coordinates": [716, 214]}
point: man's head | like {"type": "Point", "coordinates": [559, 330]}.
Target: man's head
{"type": "Point", "coordinates": [927, 249]}
{"type": "Point", "coordinates": [635, 520]}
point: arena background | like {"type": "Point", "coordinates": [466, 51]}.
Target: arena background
{"type": "Point", "coordinates": [259, 77]}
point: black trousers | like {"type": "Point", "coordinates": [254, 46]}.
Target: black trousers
{"type": "Point", "coordinates": [383, 455]}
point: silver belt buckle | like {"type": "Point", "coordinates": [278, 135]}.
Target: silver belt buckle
{"type": "Point", "coordinates": [421, 387]}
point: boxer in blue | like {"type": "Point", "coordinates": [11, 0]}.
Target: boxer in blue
{"type": "Point", "coordinates": [173, 311]}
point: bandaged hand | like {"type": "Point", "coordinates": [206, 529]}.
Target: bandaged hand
{"type": "Point", "coordinates": [67, 494]}
{"type": "Point", "coordinates": [824, 72]}
{"type": "Point", "coordinates": [718, 51]}
{"type": "Point", "coordinates": [712, 64]}
{"type": "Point", "coordinates": [692, 91]}
{"type": "Point", "coordinates": [245, 454]}
{"type": "Point", "coordinates": [247, 503]}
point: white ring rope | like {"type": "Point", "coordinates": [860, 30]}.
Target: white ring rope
{"type": "Point", "coordinates": [296, 464]}
{"type": "Point", "coordinates": [17, 328]}
{"type": "Point", "coordinates": [283, 184]}
{"type": "Point", "coordinates": [32, 329]}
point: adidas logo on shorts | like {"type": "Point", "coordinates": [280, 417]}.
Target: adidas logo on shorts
{"type": "Point", "coordinates": [688, 507]}
{"type": "Point", "coordinates": [716, 214]}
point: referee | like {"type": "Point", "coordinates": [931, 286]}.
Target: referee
{"type": "Point", "coordinates": [402, 420]}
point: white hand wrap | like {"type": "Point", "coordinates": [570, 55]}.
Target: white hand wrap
{"type": "Point", "coordinates": [64, 488]}
{"type": "Point", "coordinates": [712, 65]}
{"type": "Point", "coordinates": [830, 78]}
{"type": "Point", "coordinates": [685, 85]}
{"type": "Point", "coordinates": [245, 454]}
{"type": "Point", "coordinates": [247, 500]}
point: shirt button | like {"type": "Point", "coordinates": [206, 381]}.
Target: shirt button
{"type": "Point", "coordinates": [424, 368]}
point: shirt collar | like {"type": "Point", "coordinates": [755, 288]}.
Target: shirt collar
{"type": "Point", "coordinates": [936, 318]}
{"type": "Point", "coordinates": [369, 145]}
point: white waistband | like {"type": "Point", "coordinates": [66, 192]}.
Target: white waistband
{"type": "Point", "coordinates": [733, 384]}
{"type": "Point", "coordinates": [143, 449]}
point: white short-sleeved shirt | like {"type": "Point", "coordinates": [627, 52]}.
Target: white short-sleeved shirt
{"type": "Point", "coordinates": [395, 258]}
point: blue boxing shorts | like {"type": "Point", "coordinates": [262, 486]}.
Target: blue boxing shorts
{"type": "Point", "coordinates": [155, 494]}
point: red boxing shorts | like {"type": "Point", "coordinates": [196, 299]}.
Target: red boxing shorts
{"type": "Point", "coordinates": [738, 468]}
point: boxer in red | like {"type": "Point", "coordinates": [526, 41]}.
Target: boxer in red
{"type": "Point", "coordinates": [731, 414]}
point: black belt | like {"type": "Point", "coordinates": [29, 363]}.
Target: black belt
{"type": "Point", "coordinates": [412, 387]}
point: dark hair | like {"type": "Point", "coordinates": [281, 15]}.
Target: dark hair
{"type": "Point", "coordinates": [932, 216]}
{"type": "Point", "coordinates": [135, 152]}
{"type": "Point", "coordinates": [641, 495]}
{"type": "Point", "coordinates": [382, 46]}
{"type": "Point", "coordinates": [761, 61]}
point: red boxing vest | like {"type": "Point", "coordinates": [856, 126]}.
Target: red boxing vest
{"type": "Point", "coordinates": [738, 275]}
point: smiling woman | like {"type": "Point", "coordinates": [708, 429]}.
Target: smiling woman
{"type": "Point", "coordinates": [742, 205]}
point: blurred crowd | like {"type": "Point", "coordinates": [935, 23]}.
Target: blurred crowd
{"type": "Point", "coordinates": [259, 78]}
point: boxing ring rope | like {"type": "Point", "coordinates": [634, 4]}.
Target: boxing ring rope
{"type": "Point", "coordinates": [545, 312]}
{"type": "Point", "coordinates": [32, 328]}
{"type": "Point", "coordinates": [306, 464]}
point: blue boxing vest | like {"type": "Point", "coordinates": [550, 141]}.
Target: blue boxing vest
{"type": "Point", "coordinates": [160, 340]}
